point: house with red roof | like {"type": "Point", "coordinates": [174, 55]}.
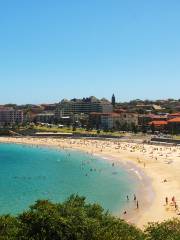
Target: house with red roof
{"type": "Point", "coordinates": [174, 125]}
{"type": "Point", "coordinates": [145, 120]}
{"type": "Point", "coordinates": [173, 115]}
{"type": "Point", "coordinates": [158, 125]}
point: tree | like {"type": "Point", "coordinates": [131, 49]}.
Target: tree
{"type": "Point", "coordinates": [152, 128]}
{"type": "Point", "coordinates": [98, 131]}
{"type": "Point", "coordinates": [167, 230]}
{"type": "Point", "coordinates": [134, 128]}
{"type": "Point", "coordinates": [124, 127]}
{"type": "Point", "coordinates": [117, 124]}
{"type": "Point", "coordinates": [75, 219]}
{"type": "Point", "coordinates": [9, 227]}
{"type": "Point", "coordinates": [144, 129]}
{"type": "Point", "coordinates": [74, 128]}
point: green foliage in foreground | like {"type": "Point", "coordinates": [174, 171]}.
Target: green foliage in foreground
{"type": "Point", "coordinates": [168, 230]}
{"type": "Point", "coordinates": [74, 219]}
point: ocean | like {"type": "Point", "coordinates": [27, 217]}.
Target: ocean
{"type": "Point", "coordinates": [29, 173]}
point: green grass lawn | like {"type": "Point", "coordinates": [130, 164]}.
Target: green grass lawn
{"type": "Point", "coordinates": [78, 130]}
{"type": "Point", "coordinates": [177, 137]}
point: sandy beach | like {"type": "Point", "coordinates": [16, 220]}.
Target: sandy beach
{"type": "Point", "coordinates": [160, 164]}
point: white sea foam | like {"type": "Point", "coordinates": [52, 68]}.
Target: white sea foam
{"type": "Point", "coordinates": [137, 173]}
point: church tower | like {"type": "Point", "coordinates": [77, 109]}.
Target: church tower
{"type": "Point", "coordinates": [113, 100]}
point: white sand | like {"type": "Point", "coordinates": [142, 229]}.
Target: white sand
{"type": "Point", "coordinates": [158, 162]}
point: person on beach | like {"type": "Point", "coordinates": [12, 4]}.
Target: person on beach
{"type": "Point", "coordinates": [176, 206]}
{"type": "Point", "coordinates": [134, 197]}
{"type": "Point", "coordinates": [137, 205]}
{"type": "Point", "coordinates": [166, 200]}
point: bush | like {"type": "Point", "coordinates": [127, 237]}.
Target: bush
{"type": "Point", "coordinates": [75, 219]}
{"type": "Point", "coordinates": [167, 230]}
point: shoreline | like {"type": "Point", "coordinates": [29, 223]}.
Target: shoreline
{"type": "Point", "coordinates": [144, 192]}
{"type": "Point", "coordinates": [153, 169]}
{"type": "Point", "coordinates": [133, 214]}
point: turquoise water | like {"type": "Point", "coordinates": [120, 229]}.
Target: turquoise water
{"type": "Point", "coordinates": [29, 173]}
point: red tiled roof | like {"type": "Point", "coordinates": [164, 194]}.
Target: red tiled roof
{"type": "Point", "coordinates": [174, 120]}
{"type": "Point", "coordinates": [158, 123]}
{"type": "Point", "coordinates": [159, 117]}
{"type": "Point", "coordinates": [174, 114]}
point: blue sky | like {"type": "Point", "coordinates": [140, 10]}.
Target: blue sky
{"type": "Point", "coordinates": [54, 49]}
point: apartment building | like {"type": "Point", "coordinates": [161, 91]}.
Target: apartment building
{"type": "Point", "coordinates": [112, 120]}
{"type": "Point", "coordinates": [10, 116]}
{"type": "Point", "coordinates": [45, 117]}
{"type": "Point", "coordinates": [109, 120]}
{"type": "Point", "coordinates": [86, 106]}
{"type": "Point", "coordinates": [129, 118]}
